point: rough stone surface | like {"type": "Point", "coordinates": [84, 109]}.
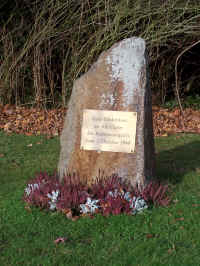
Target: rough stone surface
{"type": "Point", "coordinates": [118, 81]}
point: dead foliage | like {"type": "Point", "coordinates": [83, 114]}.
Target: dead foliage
{"type": "Point", "coordinates": [36, 121]}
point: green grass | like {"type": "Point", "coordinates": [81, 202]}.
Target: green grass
{"type": "Point", "coordinates": [161, 236]}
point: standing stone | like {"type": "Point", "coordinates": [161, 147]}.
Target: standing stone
{"type": "Point", "coordinates": [118, 81]}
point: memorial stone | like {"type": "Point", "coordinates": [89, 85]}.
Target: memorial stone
{"type": "Point", "coordinates": [108, 125]}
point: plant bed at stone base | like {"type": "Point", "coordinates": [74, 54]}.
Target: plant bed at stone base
{"type": "Point", "coordinates": [108, 196]}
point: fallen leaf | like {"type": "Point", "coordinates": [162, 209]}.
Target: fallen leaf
{"type": "Point", "coordinates": [28, 208]}
{"type": "Point", "coordinates": [149, 236]}
{"type": "Point", "coordinates": [172, 249]}
{"type": "Point", "coordinates": [1, 155]}
{"type": "Point", "coordinates": [32, 121]}
{"type": "Point", "coordinates": [7, 126]}
{"type": "Point", "coordinates": [197, 170]}
{"type": "Point", "coordinates": [75, 218]}
{"type": "Point", "coordinates": [30, 145]}
{"type": "Point", "coordinates": [155, 108]}
{"type": "Point", "coordinates": [177, 112]}
{"type": "Point", "coordinates": [55, 133]}
{"type": "Point", "coordinates": [179, 219]}
{"type": "Point", "coordinates": [60, 240]}
{"type": "Point", "coordinates": [28, 134]}
{"type": "Point", "coordinates": [195, 117]}
{"type": "Point", "coordinates": [69, 215]}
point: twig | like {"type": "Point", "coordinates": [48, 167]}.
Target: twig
{"type": "Point", "coordinates": [176, 74]}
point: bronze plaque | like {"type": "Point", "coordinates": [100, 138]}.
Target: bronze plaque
{"type": "Point", "coordinates": [108, 131]}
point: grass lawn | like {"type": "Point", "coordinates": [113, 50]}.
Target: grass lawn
{"type": "Point", "coordinates": [160, 236]}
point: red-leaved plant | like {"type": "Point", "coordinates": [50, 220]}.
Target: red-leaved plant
{"type": "Point", "coordinates": [154, 193]}
{"type": "Point", "coordinates": [72, 193]}
{"type": "Point", "coordinates": [115, 205]}
{"type": "Point", "coordinates": [38, 189]}
{"type": "Point", "coordinates": [111, 204]}
{"type": "Point", "coordinates": [45, 191]}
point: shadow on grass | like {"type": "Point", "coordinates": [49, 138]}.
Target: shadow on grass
{"type": "Point", "coordinates": [173, 164]}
